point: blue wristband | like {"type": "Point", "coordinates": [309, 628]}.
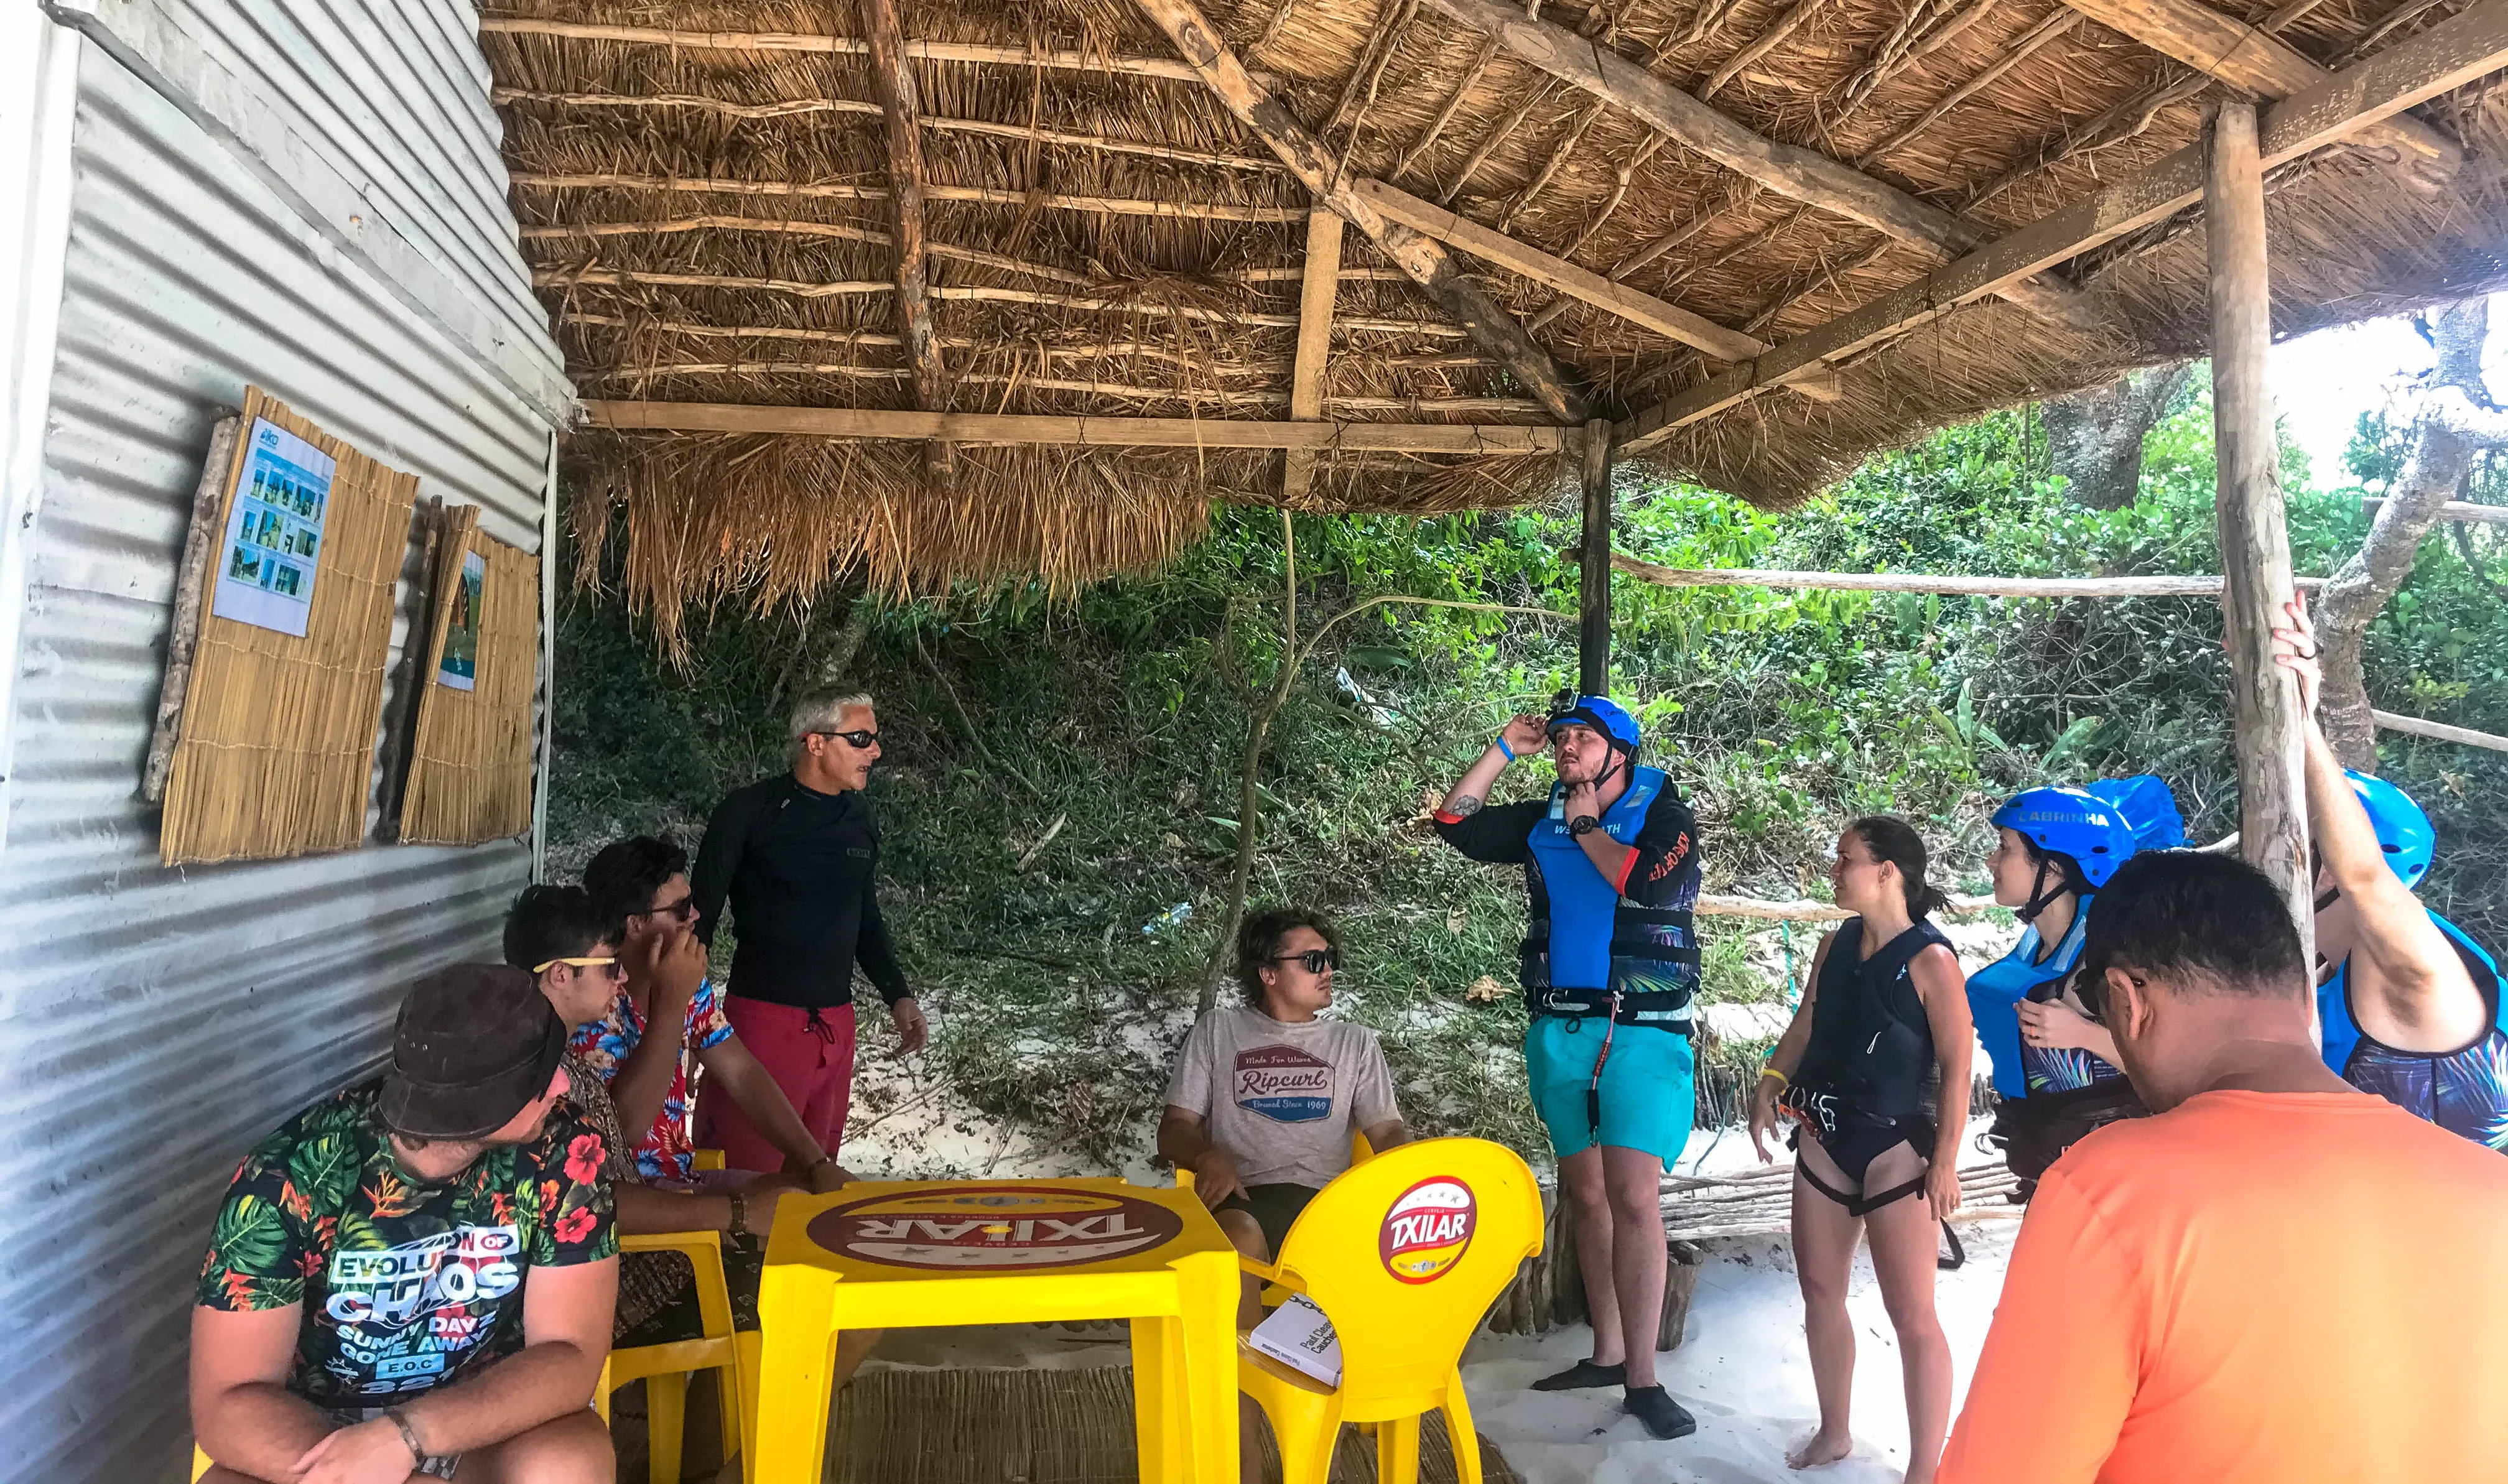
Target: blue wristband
{"type": "Point", "coordinates": [1509, 751]}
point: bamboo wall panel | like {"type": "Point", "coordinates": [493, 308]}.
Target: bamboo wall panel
{"type": "Point", "coordinates": [470, 764]}
{"type": "Point", "coordinates": [278, 733]}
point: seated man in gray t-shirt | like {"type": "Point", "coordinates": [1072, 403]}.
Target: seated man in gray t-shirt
{"type": "Point", "coordinates": [1266, 1095]}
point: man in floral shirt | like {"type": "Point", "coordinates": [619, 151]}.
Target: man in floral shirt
{"type": "Point", "coordinates": [643, 885]}
{"type": "Point", "coordinates": [377, 1253]}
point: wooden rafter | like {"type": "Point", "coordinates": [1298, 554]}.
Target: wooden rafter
{"type": "Point", "coordinates": [2256, 61]}
{"type": "Point", "coordinates": [837, 45]}
{"type": "Point", "coordinates": [1466, 302]}
{"type": "Point", "coordinates": [893, 81]}
{"type": "Point", "coordinates": [1788, 170]}
{"type": "Point", "coordinates": [784, 108]}
{"type": "Point", "coordinates": [1314, 342]}
{"type": "Point", "coordinates": [1461, 438]}
{"type": "Point", "coordinates": [1767, 41]}
{"type": "Point", "coordinates": [2438, 60]}
{"type": "Point", "coordinates": [1506, 252]}
{"type": "Point", "coordinates": [1103, 205]}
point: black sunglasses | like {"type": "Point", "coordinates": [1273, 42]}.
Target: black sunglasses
{"type": "Point", "coordinates": [683, 910]}
{"type": "Point", "coordinates": [855, 739]}
{"type": "Point", "coordinates": [1313, 960]}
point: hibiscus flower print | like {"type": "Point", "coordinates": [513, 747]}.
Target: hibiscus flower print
{"type": "Point", "coordinates": [548, 1198]}
{"type": "Point", "coordinates": [576, 1225]}
{"type": "Point", "coordinates": [584, 1157]}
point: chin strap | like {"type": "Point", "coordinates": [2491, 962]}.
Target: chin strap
{"type": "Point", "coordinates": [2041, 894]}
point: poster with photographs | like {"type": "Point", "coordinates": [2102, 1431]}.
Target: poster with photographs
{"type": "Point", "coordinates": [273, 533]}
{"type": "Point", "coordinates": [459, 667]}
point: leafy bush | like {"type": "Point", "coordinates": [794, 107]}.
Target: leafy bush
{"type": "Point", "coordinates": [1781, 712]}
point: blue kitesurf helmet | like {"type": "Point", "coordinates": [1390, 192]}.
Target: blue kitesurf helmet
{"type": "Point", "coordinates": [1601, 713]}
{"type": "Point", "coordinates": [2403, 832]}
{"type": "Point", "coordinates": [2082, 828]}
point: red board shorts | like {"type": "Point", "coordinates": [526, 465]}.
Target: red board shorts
{"type": "Point", "coordinates": [810, 1054]}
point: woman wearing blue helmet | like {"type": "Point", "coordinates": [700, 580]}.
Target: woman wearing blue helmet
{"type": "Point", "coordinates": [2054, 1066]}
{"type": "Point", "coordinates": [2412, 1009]}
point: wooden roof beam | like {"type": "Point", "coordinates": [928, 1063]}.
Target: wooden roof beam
{"type": "Point", "coordinates": [2440, 59]}
{"type": "Point", "coordinates": [1489, 326]}
{"type": "Point", "coordinates": [1612, 298]}
{"type": "Point", "coordinates": [844, 46]}
{"type": "Point", "coordinates": [1788, 170]}
{"type": "Point", "coordinates": [893, 84]}
{"type": "Point", "coordinates": [1314, 343]}
{"type": "Point", "coordinates": [2256, 61]}
{"type": "Point", "coordinates": [1321, 437]}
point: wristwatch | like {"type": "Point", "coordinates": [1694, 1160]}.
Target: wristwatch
{"type": "Point", "coordinates": [1583, 824]}
{"type": "Point", "coordinates": [739, 1214]}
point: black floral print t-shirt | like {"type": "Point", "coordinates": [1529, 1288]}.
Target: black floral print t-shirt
{"type": "Point", "coordinates": [406, 1286]}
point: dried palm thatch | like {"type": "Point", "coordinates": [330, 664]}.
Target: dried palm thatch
{"type": "Point", "coordinates": [470, 754]}
{"type": "Point", "coordinates": [277, 741]}
{"type": "Point", "coordinates": [704, 199]}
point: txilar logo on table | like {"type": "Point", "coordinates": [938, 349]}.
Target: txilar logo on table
{"type": "Point", "coordinates": [996, 1228]}
{"type": "Point", "coordinates": [1424, 1233]}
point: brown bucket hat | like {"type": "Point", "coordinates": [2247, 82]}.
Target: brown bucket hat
{"type": "Point", "coordinates": [474, 1044]}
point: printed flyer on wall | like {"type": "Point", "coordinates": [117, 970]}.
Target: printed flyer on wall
{"type": "Point", "coordinates": [459, 667]}
{"type": "Point", "coordinates": [274, 531]}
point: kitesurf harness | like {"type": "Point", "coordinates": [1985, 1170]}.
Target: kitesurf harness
{"type": "Point", "coordinates": [1591, 952]}
{"type": "Point", "coordinates": [1861, 1089]}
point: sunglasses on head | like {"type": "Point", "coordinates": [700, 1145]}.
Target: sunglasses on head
{"type": "Point", "coordinates": [853, 739]}
{"type": "Point", "coordinates": [1313, 960]}
{"type": "Point", "coordinates": [609, 964]}
{"type": "Point", "coordinates": [683, 910]}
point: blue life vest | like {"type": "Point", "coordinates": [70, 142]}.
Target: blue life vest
{"type": "Point", "coordinates": [1587, 942]}
{"type": "Point", "coordinates": [2463, 1091]}
{"type": "Point", "coordinates": [1995, 993]}
{"type": "Point", "coordinates": [1994, 996]}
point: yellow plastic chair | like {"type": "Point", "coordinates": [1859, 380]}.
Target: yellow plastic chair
{"type": "Point", "coordinates": [664, 1368]}
{"type": "Point", "coordinates": [1377, 1250]}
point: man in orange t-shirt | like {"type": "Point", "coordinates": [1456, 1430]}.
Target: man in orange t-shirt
{"type": "Point", "coordinates": [2276, 1278]}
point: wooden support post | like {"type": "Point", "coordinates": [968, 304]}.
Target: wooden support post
{"type": "Point", "coordinates": [894, 82]}
{"type": "Point", "coordinates": [1594, 566]}
{"type": "Point", "coordinates": [2255, 545]}
{"type": "Point", "coordinates": [1314, 342]}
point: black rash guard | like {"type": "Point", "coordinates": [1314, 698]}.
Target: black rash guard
{"type": "Point", "coordinates": [796, 865]}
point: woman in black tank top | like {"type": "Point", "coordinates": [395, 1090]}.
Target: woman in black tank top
{"type": "Point", "coordinates": [1874, 1072]}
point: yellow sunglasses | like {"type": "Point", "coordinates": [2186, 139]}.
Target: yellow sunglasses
{"type": "Point", "coordinates": [581, 963]}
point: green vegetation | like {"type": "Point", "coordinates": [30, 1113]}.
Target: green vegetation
{"type": "Point", "coordinates": [1058, 992]}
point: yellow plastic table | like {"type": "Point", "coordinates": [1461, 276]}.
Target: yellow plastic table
{"type": "Point", "coordinates": [884, 1254]}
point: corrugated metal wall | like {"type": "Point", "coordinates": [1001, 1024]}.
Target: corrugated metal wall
{"type": "Point", "coordinates": [153, 1024]}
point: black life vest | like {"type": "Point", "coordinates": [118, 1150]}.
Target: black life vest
{"type": "Point", "coordinates": [1871, 1047]}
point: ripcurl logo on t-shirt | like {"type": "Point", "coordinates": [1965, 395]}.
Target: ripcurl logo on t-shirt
{"type": "Point", "coordinates": [1284, 1083]}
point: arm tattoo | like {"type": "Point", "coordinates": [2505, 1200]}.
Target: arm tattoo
{"type": "Point", "coordinates": [1466, 806]}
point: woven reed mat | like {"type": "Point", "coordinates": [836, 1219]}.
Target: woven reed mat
{"type": "Point", "coordinates": [1044, 1427]}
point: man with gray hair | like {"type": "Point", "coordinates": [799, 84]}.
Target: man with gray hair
{"type": "Point", "coordinates": [794, 856]}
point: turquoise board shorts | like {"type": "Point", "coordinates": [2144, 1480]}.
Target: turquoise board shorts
{"type": "Point", "coordinates": [1647, 1100]}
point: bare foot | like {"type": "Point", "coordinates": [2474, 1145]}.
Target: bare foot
{"type": "Point", "coordinates": [1818, 1449]}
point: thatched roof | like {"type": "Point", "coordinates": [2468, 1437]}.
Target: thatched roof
{"type": "Point", "coordinates": [707, 216]}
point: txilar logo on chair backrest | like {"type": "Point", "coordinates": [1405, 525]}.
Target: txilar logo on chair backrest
{"type": "Point", "coordinates": [1424, 1233]}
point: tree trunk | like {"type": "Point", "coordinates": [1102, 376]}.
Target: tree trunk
{"type": "Point", "coordinates": [2456, 421]}
{"type": "Point", "coordinates": [2094, 437]}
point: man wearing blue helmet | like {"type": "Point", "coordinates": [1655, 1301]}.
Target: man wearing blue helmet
{"type": "Point", "coordinates": [1610, 965]}
{"type": "Point", "coordinates": [2054, 1064]}
{"type": "Point", "coordinates": [2413, 1010]}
